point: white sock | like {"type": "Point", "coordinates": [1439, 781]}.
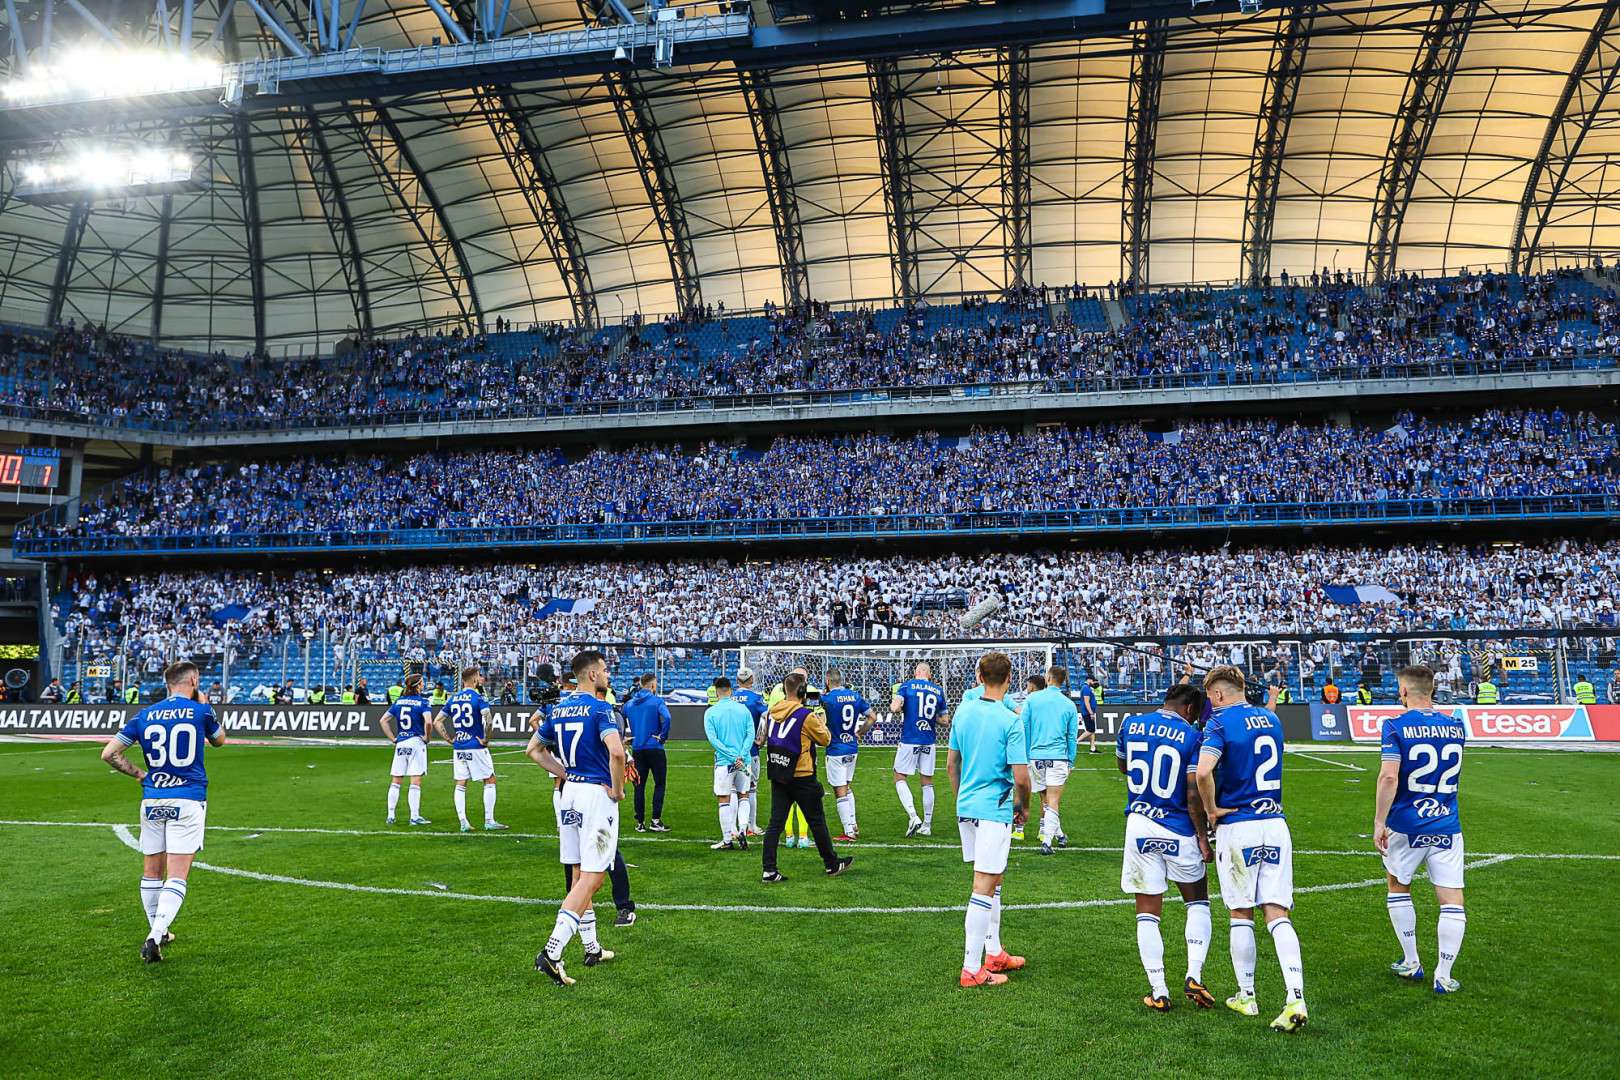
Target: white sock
{"type": "Point", "coordinates": [1242, 943]}
{"type": "Point", "coordinates": [393, 799]}
{"type": "Point", "coordinates": [170, 897]}
{"type": "Point", "coordinates": [992, 938]}
{"type": "Point", "coordinates": [1293, 968]}
{"type": "Point", "coordinates": [978, 928]}
{"type": "Point", "coordinates": [461, 804]}
{"type": "Point", "coordinates": [1403, 917]}
{"type": "Point", "coordinates": [728, 820]}
{"type": "Point", "coordinates": [1150, 946]}
{"type": "Point", "coordinates": [928, 804]}
{"type": "Point", "coordinates": [489, 803]}
{"type": "Point", "coordinates": [1050, 829]}
{"type": "Point", "coordinates": [587, 930]}
{"type": "Point", "coordinates": [1198, 934]}
{"type": "Point", "coordinates": [846, 813]}
{"type": "Point", "coordinates": [149, 897]}
{"type": "Point", "coordinates": [414, 799]}
{"type": "Point", "coordinates": [743, 818]}
{"type": "Point", "coordinates": [904, 791]}
{"type": "Point", "coordinates": [1453, 921]}
{"type": "Point", "coordinates": [562, 933]}
{"type": "Point", "coordinates": [753, 806]}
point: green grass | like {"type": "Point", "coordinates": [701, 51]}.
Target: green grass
{"type": "Point", "coordinates": [272, 979]}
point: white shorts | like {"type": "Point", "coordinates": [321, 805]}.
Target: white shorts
{"type": "Point", "coordinates": [1156, 856]}
{"type": "Point", "coordinates": [172, 826]}
{"type": "Point", "coordinates": [753, 771]}
{"type": "Point", "coordinates": [730, 781]}
{"type": "Point", "coordinates": [914, 759]}
{"type": "Point", "coordinates": [1255, 861]}
{"type": "Point", "coordinates": [1048, 772]}
{"type": "Point", "coordinates": [588, 821]}
{"type": "Point", "coordinates": [840, 769]}
{"type": "Point", "coordinates": [1442, 853]}
{"type": "Point", "coordinates": [474, 764]}
{"type": "Point", "coordinates": [985, 844]}
{"type": "Point", "coordinates": [410, 758]}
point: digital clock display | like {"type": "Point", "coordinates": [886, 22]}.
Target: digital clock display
{"type": "Point", "coordinates": [30, 467]}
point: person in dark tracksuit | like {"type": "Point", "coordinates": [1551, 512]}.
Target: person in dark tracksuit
{"type": "Point", "coordinates": [649, 721]}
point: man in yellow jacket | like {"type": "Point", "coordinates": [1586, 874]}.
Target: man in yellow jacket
{"type": "Point", "coordinates": [793, 731]}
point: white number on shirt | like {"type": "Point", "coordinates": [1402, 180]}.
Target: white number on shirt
{"type": "Point", "coordinates": [1268, 776]}
{"type": "Point", "coordinates": [927, 708]}
{"type": "Point", "coordinates": [1140, 773]}
{"type": "Point", "coordinates": [1418, 780]}
{"type": "Point", "coordinates": [165, 751]}
{"type": "Point", "coordinates": [568, 742]}
{"type": "Point", "coordinates": [461, 714]}
{"type": "Point", "coordinates": [846, 718]}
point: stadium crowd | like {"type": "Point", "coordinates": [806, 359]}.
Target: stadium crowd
{"type": "Point", "coordinates": [1323, 325]}
{"type": "Point", "coordinates": [1204, 462]}
{"type": "Point", "coordinates": [433, 611]}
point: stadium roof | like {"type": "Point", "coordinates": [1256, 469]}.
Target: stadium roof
{"type": "Point", "coordinates": [1190, 147]}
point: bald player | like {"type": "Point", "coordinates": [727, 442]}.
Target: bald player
{"type": "Point", "coordinates": [920, 704]}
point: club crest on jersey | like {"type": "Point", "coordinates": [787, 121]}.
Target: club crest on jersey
{"type": "Point", "coordinates": [1157, 845]}
{"type": "Point", "coordinates": [1430, 807]}
{"type": "Point", "coordinates": [1147, 810]}
{"type": "Point", "coordinates": [1264, 853]}
{"type": "Point", "coordinates": [1432, 840]}
{"type": "Point", "coordinates": [1265, 806]}
{"type": "Point", "coordinates": [573, 817]}
{"type": "Point", "coordinates": [162, 813]}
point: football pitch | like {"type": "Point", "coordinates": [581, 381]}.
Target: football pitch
{"type": "Point", "coordinates": [320, 943]}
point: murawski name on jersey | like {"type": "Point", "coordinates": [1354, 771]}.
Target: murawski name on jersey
{"type": "Point", "coordinates": [1435, 731]}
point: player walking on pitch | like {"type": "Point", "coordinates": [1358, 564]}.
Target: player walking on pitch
{"type": "Point", "coordinates": [1240, 782]}
{"type": "Point", "coordinates": [579, 743]}
{"type": "Point", "coordinates": [1051, 731]}
{"type": "Point", "coordinates": [729, 727]}
{"type": "Point", "coordinates": [849, 717]}
{"type": "Point", "coordinates": [174, 794]}
{"type": "Point", "coordinates": [410, 713]}
{"type": "Point", "coordinates": [1416, 824]}
{"type": "Point", "coordinates": [1165, 831]}
{"type": "Point", "coordinates": [920, 703]}
{"type": "Point", "coordinates": [755, 704]}
{"type": "Point", "coordinates": [469, 712]}
{"type": "Point", "coordinates": [989, 771]}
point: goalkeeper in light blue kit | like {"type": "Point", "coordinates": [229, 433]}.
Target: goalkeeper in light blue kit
{"type": "Point", "coordinates": [1416, 825]}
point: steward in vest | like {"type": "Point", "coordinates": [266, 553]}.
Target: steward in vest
{"type": "Point", "coordinates": [395, 692]}
{"type": "Point", "coordinates": [1330, 693]}
{"type": "Point", "coordinates": [1363, 695]}
{"type": "Point", "coordinates": [317, 696]}
{"type": "Point", "coordinates": [1585, 693]}
{"type": "Point", "coordinates": [132, 696]}
{"type": "Point", "coordinates": [348, 696]}
{"type": "Point", "coordinates": [1487, 694]}
{"type": "Point", "coordinates": [75, 696]}
{"type": "Point", "coordinates": [793, 731]}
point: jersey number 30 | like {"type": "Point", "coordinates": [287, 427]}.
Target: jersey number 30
{"type": "Point", "coordinates": [164, 747]}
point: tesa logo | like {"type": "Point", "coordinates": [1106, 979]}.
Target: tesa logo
{"type": "Point", "coordinates": [1367, 721]}
{"type": "Point", "coordinates": [1539, 722]}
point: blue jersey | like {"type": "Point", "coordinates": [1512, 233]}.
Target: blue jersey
{"type": "Point", "coordinates": [1051, 726]}
{"type": "Point", "coordinates": [991, 741]}
{"type": "Point", "coordinates": [1248, 742]}
{"type": "Point", "coordinates": [411, 714]}
{"type": "Point", "coordinates": [1088, 701]}
{"type": "Point", "coordinates": [1160, 750]}
{"type": "Point", "coordinates": [844, 709]}
{"type": "Point", "coordinates": [756, 708]}
{"type": "Point", "coordinates": [468, 711]}
{"type": "Point", "coordinates": [577, 732]}
{"type": "Point", "coordinates": [172, 733]}
{"type": "Point", "coordinates": [1429, 746]}
{"type": "Point", "coordinates": [922, 702]}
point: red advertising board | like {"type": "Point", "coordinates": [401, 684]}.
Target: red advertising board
{"type": "Point", "coordinates": [1505, 723]}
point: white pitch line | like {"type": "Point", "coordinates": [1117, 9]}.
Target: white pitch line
{"type": "Point", "coordinates": [1326, 761]}
{"type": "Point", "coordinates": [861, 845]}
{"type": "Point", "coordinates": [128, 838]}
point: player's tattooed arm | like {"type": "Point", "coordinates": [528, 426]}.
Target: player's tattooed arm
{"type": "Point", "coordinates": [113, 754]}
{"type": "Point", "coordinates": [438, 725]}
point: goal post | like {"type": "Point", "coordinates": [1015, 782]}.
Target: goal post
{"type": "Point", "coordinates": [874, 670]}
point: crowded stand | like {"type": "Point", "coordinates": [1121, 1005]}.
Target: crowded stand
{"type": "Point", "coordinates": [1320, 327]}
{"type": "Point", "coordinates": [1493, 454]}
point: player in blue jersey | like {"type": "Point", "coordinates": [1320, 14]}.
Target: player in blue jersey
{"type": "Point", "coordinates": [405, 722]}
{"type": "Point", "coordinates": [1240, 779]}
{"type": "Point", "coordinates": [729, 727]}
{"type": "Point", "coordinates": [468, 734]}
{"type": "Point", "coordinates": [920, 704]}
{"type": "Point", "coordinates": [1415, 821]}
{"type": "Point", "coordinates": [578, 742]}
{"type": "Point", "coordinates": [1165, 830]}
{"type": "Point", "coordinates": [989, 769]}
{"type": "Point", "coordinates": [849, 718]}
{"type": "Point", "coordinates": [1088, 709]}
{"type": "Point", "coordinates": [174, 794]}
{"type": "Point", "coordinates": [754, 702]}
{"type": "Point", "coordinates": [1051, 729]}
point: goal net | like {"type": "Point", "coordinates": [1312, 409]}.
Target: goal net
{"type": "Point", "coordinates": [873, 671]}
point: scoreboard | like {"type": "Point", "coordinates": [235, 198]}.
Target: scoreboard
{"type": "Point", "coordinates": [29, 467]}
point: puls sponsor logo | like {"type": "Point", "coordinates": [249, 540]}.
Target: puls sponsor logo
{"type": "Point", "coordinates": [1431, 808]}
{"type": "Point", "coordinates": [1266, 806]}
{"type": "Point", "coordinates": [1147, 810]}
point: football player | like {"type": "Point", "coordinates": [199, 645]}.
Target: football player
{"type": "Point", "coordinates": [469, 712]}
{"type": "Point", "coordinates": [849, 717]}
{"type": "Point", "coordinates": [410, 738]}
{"type": "Point", "coordinates": [920, 704]}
